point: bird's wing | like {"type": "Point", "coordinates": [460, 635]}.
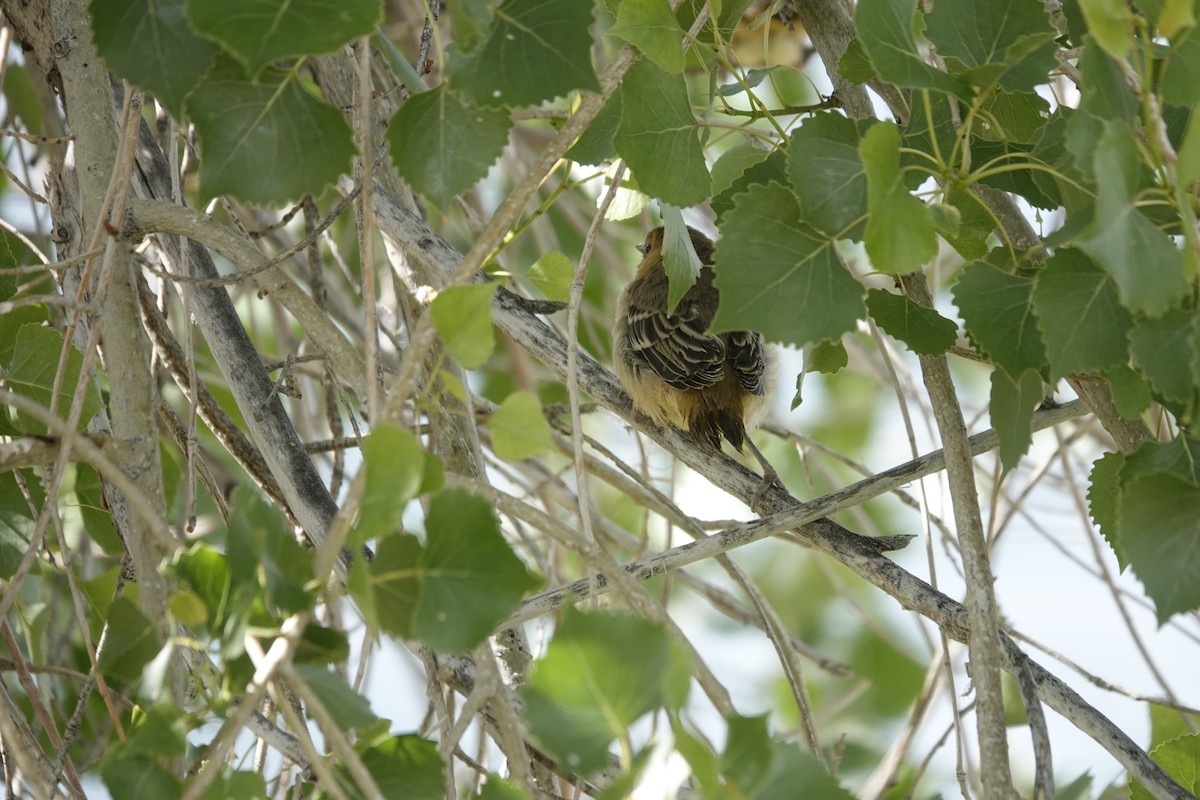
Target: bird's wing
{"type": "Point", "coordinates": [749, 363]}
{"type": "Point", "coordinates": [676, 348]}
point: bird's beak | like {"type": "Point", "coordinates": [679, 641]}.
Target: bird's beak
{"type": "Point", "coordinates": [644, 248]}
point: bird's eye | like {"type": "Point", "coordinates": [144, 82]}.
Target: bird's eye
{"type": "Point", "coordinates": [644, 248]}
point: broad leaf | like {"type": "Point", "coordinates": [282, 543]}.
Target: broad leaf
{"type": "Point", "coordinates": [348, 708]}
{"type": "Point", "coordinates": [900, 235]}
{"type": "Point", "coordinates": [1012, 405]}
{"type": "Point", "coordinates": [1008, 42]}
{"type": "Point", "coordinates": [31, 373]}
{"type": "Point", "coordinates": [266, 141]}
{"type": "Point", "coordinates": [827, 175]}
{"type": "Point", "coordinates": [444, 146]}
{"type": "Point", "coordinates": [463, 317]}
{"type": "Point", "coordinates": [261, 31]}
{"type": "Point", "coordinates": [1160, 534]}
{"type": "Point", "coordinates": [519, 429]}
{"type": "Point", "coordinates": [470, 578]}
{"type": "Point", "coordinates": [601, 673]}
{"type": "Point", "coordinates": [151, 44]}
{"type": "Point", "coordinates": [658, 136]}
{"type": "Point", "coordinates": [395, 468]}
{"type": "Point", "coordinates": [651, 26]}
{"type": "Point", "coordinates": [997, 308]}
{"type": "Point", "coordinates": [535, 50]}
{"type": "Point", "coordinates": [885, 28]}
{"type": "Point", "coordinates": [922, 329]}
{"type": "Point", "coordinates": [1083, 323]}
{"type": "Point", "coordinates": [769, 264]}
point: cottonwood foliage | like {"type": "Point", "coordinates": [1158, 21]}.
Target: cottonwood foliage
{"type": "Point", "coordinates": [1107, 294]}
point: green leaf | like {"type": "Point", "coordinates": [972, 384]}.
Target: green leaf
{"type": "Point", "coordinates": [322, 645]}
{"type": "Point", "coordinates": [1104, 500]}
{"type": "Point", "coordinates": [519, 429]}
{"type": "Point", "coordinates": [235, 785]}
{"type": "Point", "coordinates": [204, 572]}
{"type": "Point", "coordinates": [1012, 405]}
{"type": "Point", "coordinates": [131, 643]}
{"type": "Point", "coordinates": [749, 753]}
{"type": "Point", "coordinates": [885, 28]}
{"type": "Point", "coordinates": [601, 673]}
{"type": "Point", "coordinates": [770, 263]}
{"type": "Point", "coordinates": [1165, 349]}
{"type": "Point", "coordinates": [826, 357]}
{"type": "Point", "coordinates": [1083, 323]}
{"type": "Point", "coordinates": [828, 176]}
{"type": "Point", "coordinates": [773, 168]}
{"type": "Point", "coordinates": [680, 260]}
{"type": "Point", "coordinates": [150, 44]}
{"type": "Point", "coordinates": [552, 274]}
{"type": "Point", "coordinates": [97, 520]}
{"type": "Point", "coordinates": [900, 235]}
{"type": "Point", "coordinates": [263, 552]}
{"type": "Point", "coordinates": [498, 788]}
{"type": "Point", "coordinates": [444, 146]}
{"type": "Point", "coordinates": [752, 79]}
{"type": "Point", "coordinates": [650, 26]}
{"type": "Point", "coordinates": [1110, 22]}
{"type": "Point", "coordinates": [1181, 76]}
{"type": "Point", "coordinates": [1009, 42]}
{"type": "Point", "coordinates": [658, 136]}
{"type": "Point", "coordinates": [1180, 758]}
{"type": "Point", "coordinates": [267, 141]}
{"type": "Point", "coordinates": [1175, 16]}
{"type": "Point", "coordinates": [794, 767]}
{"type": "Point", "coordinates": [470, 578]}
{"type": "Point", "coordinates": [1131, 393]}
{"type": "Point", "coordinates": [470, 20]}
{"type": "Point", "coordinates": [923, 330]}
{"type": "Point", "coordinates": [535, 50]}
{"type": "Point", "coordinates": [734, 162]}
{"type": "Point", "coordinates": [854, 65]}
{"type": "Point", "coordinates": [1146, 264]}
{"type": "Point", "coordinates": [701, 761]}
{"type": "Point", "coordinates": [348, 708]}
{"type": "Point", "coordinates": [394, 461]}
{"type": "Point", "coordinates": [1014, 117]}
{"type": "Point", "coordinates": [403, 766]}
{"type": "Point", "coordinates": [31, 372]}
{"type": "Point", "coordinates": [1160, 533]}
{"type": "Point", "coordinates": [997, 309]}
{"type": "Point", "coordinates": [975, 225]}
{"type": "Point", "coordinates": [395, 583]}
{"type": "Point", "coordinates": [261, 31]}
{"type": "Point", "coordinates": [1105, 98]}
{"type": "Point", "coordinates": [595, 144]}
{"type": "Point", "coordinates": [463, 317]}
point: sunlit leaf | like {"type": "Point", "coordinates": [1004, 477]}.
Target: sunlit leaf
{"type": "Point", "coordinates": [463, 316]}
{"type": "Point", "coordinates": [519, 429]}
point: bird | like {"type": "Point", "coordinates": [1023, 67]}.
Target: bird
{"type": "Point", "coordinates": [714, 386]}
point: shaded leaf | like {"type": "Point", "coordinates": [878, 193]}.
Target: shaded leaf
{"type": "Point", "coordinates": [267, 141]}
{"type": "Point", "coordinates": [827, 175]}
{"type": "Point", "coordinates": [1160, 533]}
{"type": "Point", "coordinates": [922, 329]}
{"type": "Point", "coordinates": [1012, 405]}
{"type": "Point", "coordinates": [151, 44]}
{"type": "Point", "coordinates": [1146, 264]}
{"type": "Point", "coordinates": [1104, 500]}
{"type": "Point", "coordinates": [31, 373]}
{"type": "Point", "coordinates": [769, 264]}
{"type": "Point", "coordinates": [651, 26]}
{"type": "Point", "coordinates": [658, 136]}
{"type": "Point", "coordinates": [444, 146]}
{"type": "Point", "coordinates": [997, 308]}
{"type": "Point", "coordinates": [348, 708]}
{"type": "Point", "coordinates": [470, 578]}
{"type": "Point", "coordinates": [535, 50]}
{"type": "Point", "coordinates": [131, 643]}
{"type": "Point", "coordinates": [1083, 323]}
{"type": "Point", "coordinates": [680, 261]}
{"type": "Point", "coordinates": [885, 28]}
